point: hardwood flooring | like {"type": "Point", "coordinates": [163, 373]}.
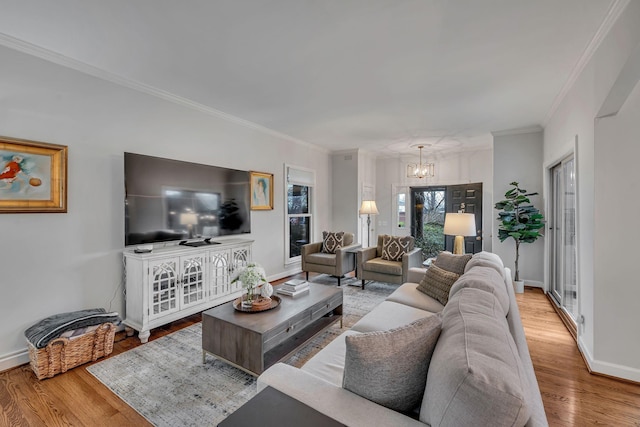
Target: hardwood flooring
{"type": "Point", "coordinates": [572, 396]}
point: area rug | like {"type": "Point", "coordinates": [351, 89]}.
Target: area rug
{"type": "Point", "coordinates": [167, 383]}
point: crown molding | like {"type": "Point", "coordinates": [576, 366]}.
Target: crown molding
{"type": "Point", "coordinates": [613, 14]}
{"type": "Point", "coordinates": [518, 131]}
{"type": "Point", "coordinates": [65, 61]}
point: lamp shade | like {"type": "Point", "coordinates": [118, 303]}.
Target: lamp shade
{"type": "Point", "coordinates": [368, 207]}
{"type": "Point", "coordinates": [188, 218]}
{"type": "Point", "coordinates": [460, 224]}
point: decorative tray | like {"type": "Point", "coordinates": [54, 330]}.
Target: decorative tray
{"type": "Point", "coordinates": [237, 304]}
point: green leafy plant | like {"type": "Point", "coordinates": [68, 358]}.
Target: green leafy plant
{"type": "Point", "coordinates": [519, 220]}
{"type": "Point", "coordinates": [432, 240]}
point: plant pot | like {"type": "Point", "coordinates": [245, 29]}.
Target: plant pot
{"type": "Point", "coordinates": [518, 286]}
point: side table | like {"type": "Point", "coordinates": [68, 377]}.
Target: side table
{"type": "Point", "coordinates": [272, 408]}
{"type": "Point", "coordinates": [354, 250]}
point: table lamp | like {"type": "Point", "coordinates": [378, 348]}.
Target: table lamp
{"type": "Point", "coordinates": [459, 225]}
{"type": "Point", "coordinates": [189, 219]}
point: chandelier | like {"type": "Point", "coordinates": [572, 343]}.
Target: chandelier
{"type": "Point", "coordinates": [420, 170]}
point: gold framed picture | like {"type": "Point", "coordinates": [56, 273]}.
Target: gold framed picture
{"type": "Point", "coordinates": [261, 191]}
{"type": "Point", "coordinates": [33, 176]}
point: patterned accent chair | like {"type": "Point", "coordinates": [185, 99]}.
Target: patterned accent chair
{"type": "Point", "coordinates": [393, 265]}
{"type": "Point", "coordinates": [337, 264]}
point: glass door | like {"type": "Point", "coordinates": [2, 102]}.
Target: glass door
{"type": "Point", "coordinates": [562, 228]}
{"type": "Point", "coordinates": [427, 219]}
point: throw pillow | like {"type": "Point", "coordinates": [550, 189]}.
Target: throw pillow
{"type": "Point", "coordinates": [390, 367]}
{"type": "Point", "coordinates": [394, 247]}
{"type": "Point", "coordinates": [451, 262]}
{"type": "Point", "coordinates": [331, 242]}
{"type": "Point", "coordinates": [437, 283]}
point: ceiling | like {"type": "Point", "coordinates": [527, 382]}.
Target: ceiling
{"type": "Point", "coordinates": [380, 75]}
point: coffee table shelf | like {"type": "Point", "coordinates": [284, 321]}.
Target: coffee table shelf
{"type": "Point", "coordinates": [256, 341]}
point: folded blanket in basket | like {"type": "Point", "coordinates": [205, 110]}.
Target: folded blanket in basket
{"type": "Point", "coordinates": [52, 327]}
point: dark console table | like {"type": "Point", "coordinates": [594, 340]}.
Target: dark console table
{"type": "Point", "coordinates": [272, 408]}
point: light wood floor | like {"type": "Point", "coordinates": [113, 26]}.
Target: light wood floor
{"type": "Point", "coordinates": [572, 396]}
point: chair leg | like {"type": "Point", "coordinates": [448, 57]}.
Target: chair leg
{"type": "Point", "coordinates": [339, 280]}
{"type": "Point", "coordinates": [307, 279]}
{"type": "Point", "coordinates": [362, 283]}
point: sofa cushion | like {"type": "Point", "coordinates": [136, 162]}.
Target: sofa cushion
{"type": "Point", "coordinates": [328, 363]}
{"type": "Point", "coordinates": [408, 294]}
{"type": "Point", "coordinates": [394, 247]}
{"type": "Point", "coordinates": [321, 258]}
{"type": "Point", "coordinates": [476, 376]}
{"type": "Point", "coordinates": [489, 256]}
{"type": "Point", "coordinates": [452, 262]}
{"type": "Point", "coordinates": [390, 367]}
{"type": "Point", "coordinates": [331, 241]}
{"type": "Point", "coordinates": [486, 279]}
{"type": "Point", "coordinates": [437, 283]}
{"type": "Point", "coordinates": [388, 315]}
{"type": "Point", "coordinates": [380, 265]}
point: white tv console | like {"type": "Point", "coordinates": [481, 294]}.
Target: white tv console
{"type": "Point", "coordinates": [170, 283]}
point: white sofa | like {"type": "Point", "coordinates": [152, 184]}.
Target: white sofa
{"type": "Point", "coordinates": [480, 371]}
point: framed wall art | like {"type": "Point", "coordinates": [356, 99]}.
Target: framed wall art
{"type": "Point", "coordinates": [261, 191]}
{"type": "Point", "coordinates": [33, 176]}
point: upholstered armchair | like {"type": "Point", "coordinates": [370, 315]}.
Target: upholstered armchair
{"type": "Point", "coordinates": [336, 264]}
{"type": "Point", "coordinates": [390, 260]}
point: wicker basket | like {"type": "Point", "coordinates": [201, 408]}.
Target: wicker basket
{"type": "Point", "coordinates": [62, 354]}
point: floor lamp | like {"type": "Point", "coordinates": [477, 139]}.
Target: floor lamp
{"type": "Point", "coordinates": [459, 225]}
{"type": "Point", "coordinates": [368, 208]}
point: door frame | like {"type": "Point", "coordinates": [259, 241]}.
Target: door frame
{"type": "Point", "coordinates": [548, 186]}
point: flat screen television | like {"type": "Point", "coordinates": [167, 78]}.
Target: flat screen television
{"type": "Point", "coordinates": [170, 200]}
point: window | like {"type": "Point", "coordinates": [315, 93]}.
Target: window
{"type": "Point", "coordinates": [402, 217]}
{"type": "Point", "coordinates": [299, 197]}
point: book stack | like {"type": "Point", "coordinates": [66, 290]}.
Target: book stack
{"type": "Point", "coordinates": [294, 287]}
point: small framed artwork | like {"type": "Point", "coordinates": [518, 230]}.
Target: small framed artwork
{"type": "Point", "coordinates": [33, 176]}
{"type": "Point", "coordinates": [261, 191]}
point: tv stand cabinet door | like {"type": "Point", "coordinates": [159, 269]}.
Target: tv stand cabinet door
{"type": "Point", "coordinates": [163, 287]}
{"type": "Point", "coordinates": [219, 273]}
{"type": "Point", "coordinates": [193, 279]}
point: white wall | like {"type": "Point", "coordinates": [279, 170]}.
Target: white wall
{"type": "Point", "coordinates": [609, 345]}
{"type": "Point", "coordinates": [518, 157]}
{"type": "Point", "coordinates": [344, 176]}
{"type": "Point", "coordinates": [455, 168]}
{"type": "Point", "coordinates": [617, 150]}
{"type": "Point", "coordinates": [64, 262]}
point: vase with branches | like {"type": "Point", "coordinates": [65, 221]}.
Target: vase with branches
{"type": "Point", "coordinates": [519, 220]}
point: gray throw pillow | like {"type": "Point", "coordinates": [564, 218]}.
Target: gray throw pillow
{"type": "Point", "coordinates": [331, 242]}
{"type": "Point", "coordinates": [390, 367]}
{"type": "Point", "coordinates": [394, 247]}
{"type": "Point", "coordinates": [437, 283]}
{"type": "Point", "coordinates": [452, 262]}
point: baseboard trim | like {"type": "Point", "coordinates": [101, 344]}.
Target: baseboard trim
{"type": "Point", "coordinates": [534, 283]}
{"type": "Point", "coordinates": [606, 369]}
{"type": "Point", "coordinates": [13, 360]}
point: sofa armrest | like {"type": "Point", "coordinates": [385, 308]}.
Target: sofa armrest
{"type": "Point", "coordinates": [345, 260]}
{"type": "Point", "coordinates": [411, 260]}
{"type": "Point", "coordinates": [335, 402]}
{"type": "Point", "coordinates": [364, 255]}
{"type": "Point", "coordinates": [308, 249]}
{"type": "Point", "coordinates": [416, 274]}
{"type": "Point", "coordinates": [311, 248]}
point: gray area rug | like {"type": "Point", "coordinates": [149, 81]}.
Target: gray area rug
{"type": "Point", "coordinates": [167, 383]}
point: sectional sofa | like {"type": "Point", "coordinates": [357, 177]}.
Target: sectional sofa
{"type": "Point", "coordinates": [479, 372]}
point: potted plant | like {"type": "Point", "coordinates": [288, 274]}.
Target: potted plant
{"type": "Point", "coordinates": [520, 220]}
{"type": "Point", "coordinates": [250, 276]}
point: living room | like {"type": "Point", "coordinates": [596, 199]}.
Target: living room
{"type": "Point", "coordinates": [55, 263]}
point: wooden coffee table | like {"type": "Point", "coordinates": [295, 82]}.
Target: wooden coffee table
{"type": "Point", "coordinates": [255, 341]}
